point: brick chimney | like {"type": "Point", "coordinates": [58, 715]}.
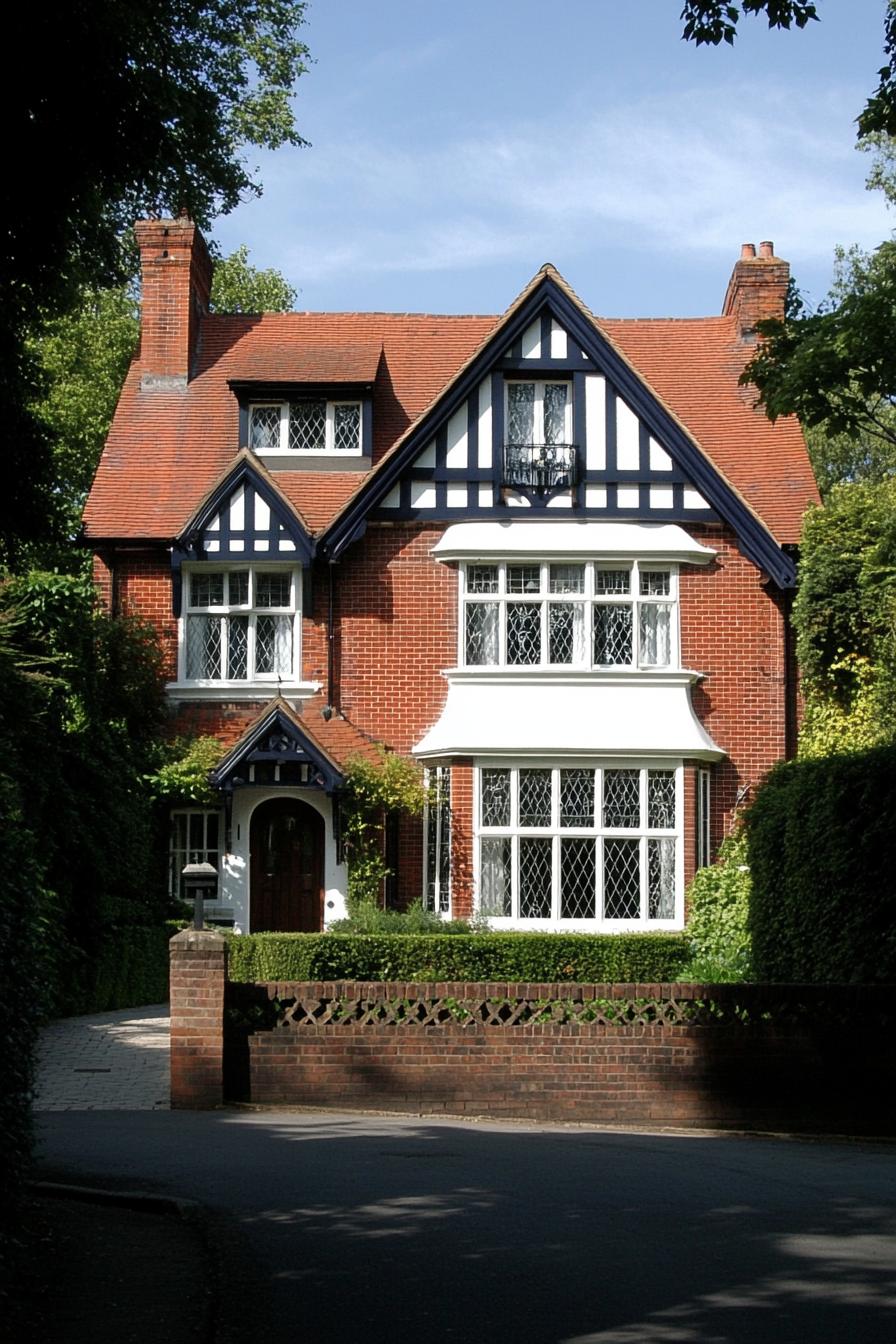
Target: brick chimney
{"type": "Point", "coordinates": [176, 274]}
{"type": "Point", "coordinates": [757, 289]}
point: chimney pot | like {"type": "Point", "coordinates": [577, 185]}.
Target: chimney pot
{"type": "Point", "coordinates": [747, 251]}
{"type": "Point", "coordinates": [766, 249]}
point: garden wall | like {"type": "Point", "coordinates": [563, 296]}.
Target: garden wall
{"type": "Point", "coordinates": [800, 1059]}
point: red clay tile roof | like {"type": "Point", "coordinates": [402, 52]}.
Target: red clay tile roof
{"type": "Point", "coordinates": [300, 363]}
{"type": "Point", "coordinates": [166, 448]}
{"type": "Point", "coordinates": [337, 738]}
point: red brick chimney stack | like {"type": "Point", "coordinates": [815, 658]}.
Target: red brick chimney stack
{"type": "Point", "coordinates": [176, 273]}
{"type": "Point", "coordinates": [757, 289]}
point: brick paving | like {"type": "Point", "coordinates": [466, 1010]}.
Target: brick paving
{"type": "Point", "coordinates": [105, 1062]}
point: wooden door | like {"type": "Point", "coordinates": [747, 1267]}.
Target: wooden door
{"type": "Point", "coordinates": [286, 842]}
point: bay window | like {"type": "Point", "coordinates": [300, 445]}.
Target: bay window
{"type": "Point", "coordinates": [241, 624]}
{"type": "Point", "coordinates": [587, 614]}
{"type": "Point", "coordinates": [596, 844]}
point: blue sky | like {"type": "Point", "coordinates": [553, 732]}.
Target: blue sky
{"type": "Point", "coordinates": [455, 147]}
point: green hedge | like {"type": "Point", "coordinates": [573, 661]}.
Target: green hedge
{"type": "Point", "coordinates": [540, 957]}
{"type": "Point", "coordinates": [822, 854]}
{"type": "Point", "coordinates": [128, 969]}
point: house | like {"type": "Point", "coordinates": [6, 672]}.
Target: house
{"type": "Point", "coordinates": [550, 556]}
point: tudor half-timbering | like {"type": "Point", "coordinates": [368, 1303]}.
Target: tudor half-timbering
{"type": "Point", "coordinates": [547, 554]}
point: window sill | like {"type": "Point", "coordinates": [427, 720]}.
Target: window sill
{"type": "Point", "coordinates": [505, 923]}
{"type": "Point", "coordinates": [542, 675]}
{"type": "Point", "coordinates": [241, 690]}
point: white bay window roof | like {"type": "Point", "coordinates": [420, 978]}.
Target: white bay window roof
{"type": "Point", "coordinates": [646, 716]}
{"type": "Point", "coordinates": [636, 541]}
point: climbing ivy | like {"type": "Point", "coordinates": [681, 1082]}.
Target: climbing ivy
{"type": "Point", "coordinates": [374, 788]}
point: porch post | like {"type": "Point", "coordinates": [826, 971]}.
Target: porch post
{"type": "Point", "coordinates": [198, 959]}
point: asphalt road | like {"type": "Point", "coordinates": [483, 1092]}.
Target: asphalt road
{"type": "Point", "coordinates": [360, 1228]}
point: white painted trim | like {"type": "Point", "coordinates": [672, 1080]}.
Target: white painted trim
{"type": "Point", "coordinates": [553, 538]}
{"type": "Point", "coordinates": [241, 690]}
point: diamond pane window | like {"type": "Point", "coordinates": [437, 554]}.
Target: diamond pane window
{"type": "Point", "coordinates": [520, 412]}
{"type": "Point", "coordinates": [660, 799]}
{"type": "Point", "coordinates": [524, 633]}
{"type": "Point", "coordinates": [240, 643]}
{"type": "Point", "coordinates": [264, 428]}
{"type": "Point", "coordinates": [566, 632]}
{"type": "Point", "coordinates": [203, 648]}
{"type": "Point", "coordinates": [536, 878]}
{"type": "Point", "coordinates": [612, 635]}
{"type": "Point", "coordinates": [579, 868]}
{"type": "Point", "coordinates": [437, 845]}
{"type": "Point", "coordinates": [622, 798]}
{"type": "Point", "coordinates": [495, 797]}
{"type": "Point", "coordinates": [495, 877]}
{"type": "Point", "coordinates": [347, 427]}
{"type": "Point", "coordinates": [237, 648]}
{"type": "Point", "coordinates": [576, 797]}
{"type": "Point", "coordinates": [481, 636]}
{"type": "Point", "coordinates": [622, 879]}
{"type": "Point", "coordinates": [578, 879]}
{"type": "Point", "coordinates": [555, 398]}
{"type": "Point", "coordinates": [482, 578]}
{"type": "Point", "coordinates": [535, 797]}
{"type": "Point", "coordinates": [661, 879]}
{"type": "Point", "coordinates": [308, 426]}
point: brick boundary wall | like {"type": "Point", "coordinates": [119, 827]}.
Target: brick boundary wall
{"type": "Point", "coordinates": [802, 1078]}
{"type": "Point", "coordinates": [806, 1059]}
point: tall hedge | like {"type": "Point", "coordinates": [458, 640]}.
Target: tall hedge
{"type": "Point", "coordinates": [822, 853]}
{"type": "Point", "coordinates": [476, 956]}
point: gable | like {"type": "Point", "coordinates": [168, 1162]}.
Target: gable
{"type": "Point", "coordinates": [243, 518]}
{"type": "Point", "coordinates": [277, 746]}
{"type": "Point", "coordinates": [628, 457]}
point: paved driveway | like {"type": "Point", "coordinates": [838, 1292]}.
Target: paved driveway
{"type": "Point", "coordinates": [105, 1062]}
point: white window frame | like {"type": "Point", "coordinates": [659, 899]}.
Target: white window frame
{"type": "Point", "coordinates": [179, 857]}
{"type": "Point", "coordinates": [329, 448]}
{"type": "Point", "coordinates": [597, 832]}
{"type": "Point", "coordinates": [702, 816]}
{"type": "Point", "coordinates": [589, 598]}
{"type": "Point", "coordinates": [539, 384]}
{"type": "Point", "coordinates": [436, 815]}
{"type": "Point", "coordinates": [249, 609]}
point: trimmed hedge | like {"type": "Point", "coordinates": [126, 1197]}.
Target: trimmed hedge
{"type": "Point", "coordinates": [539, 957]}
{"type": "Point", "coordinates": [129, 969]}
{"type": "Point", "coordinates": [822, 853]}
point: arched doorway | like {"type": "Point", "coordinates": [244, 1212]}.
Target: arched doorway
{"type": "Point", "coordinates": [286, 847]}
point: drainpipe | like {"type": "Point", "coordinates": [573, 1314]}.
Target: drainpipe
{"type": "Point", "coordinates": [332, 705]}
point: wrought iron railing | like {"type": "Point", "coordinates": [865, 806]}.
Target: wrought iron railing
{"type": "Point", "coordinates": [540, 468]}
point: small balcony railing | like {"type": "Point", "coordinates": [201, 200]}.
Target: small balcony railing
{"type": "Point", "coordinates": [540, 469]}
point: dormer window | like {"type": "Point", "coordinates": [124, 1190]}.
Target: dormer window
{"type": "Point", "coordinates": [305, 428]}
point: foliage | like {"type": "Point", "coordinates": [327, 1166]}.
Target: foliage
{"type": "Point", "coordinates": [238, 287]}
{"type": "Point", "coordinates": [539, 958]}
{"type": "Point", "coordinates": [717, 930]}
{"type": "Point", "coordinates": [373, 789]}
{"type": "Point", "coordinates": [713, 21]}
{"type": "Point", "coordinates": [822, 853]}
{"type": "Point", "coordinates": [845, 619]}
{"type": "Point", "coordinates": [369, 918]}
{"type": "Point", "coordinates": [182, 775]}
{"type": "Point", "coordinates": [140, 109]}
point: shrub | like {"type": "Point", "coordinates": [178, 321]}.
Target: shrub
{"type": "Point", "coordinates": [822, 852]}
{"type": "Point", "coordinates": [535, 957]}
{"type": "Point", "coordinates": [367, 918]}
{"type": "Point", "coordinates": [718, 924]}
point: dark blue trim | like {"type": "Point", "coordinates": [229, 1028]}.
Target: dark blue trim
{"type": "Point", "coordinates": [228, 774]}
{"type": "Point", "coordinates": [757, 543]}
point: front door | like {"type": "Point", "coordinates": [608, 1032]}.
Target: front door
{"type": "Point", "coordinates": [286, 842]}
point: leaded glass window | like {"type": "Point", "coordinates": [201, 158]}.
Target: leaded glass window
{"type": "Point", "coordinates": [538, 413]}
{"type": "Point", "coordinates": [437, 840]}
{"type": "Point", "coordinates": [595, 844]}
{"type": "Point", "coordinates": [312, 425]}
{"type": "Point", "coordinates": [240, 624]}
{"type": "Point", "coordinates": [587, 614]}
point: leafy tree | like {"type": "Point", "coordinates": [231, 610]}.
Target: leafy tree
{"type": "Point", "coordinates": [238, 287]}
{"type": "Point", "coordinates": [83, 356]}
{"type": "Point", "coordinates": [138, 109]}
{"type": "Point", "coordinates": [709, 22]}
